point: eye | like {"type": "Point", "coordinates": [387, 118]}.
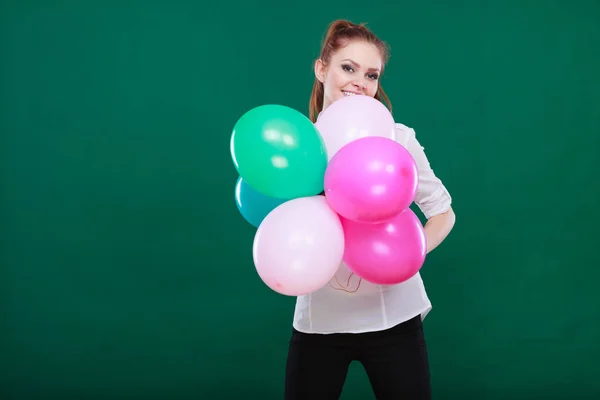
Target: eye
{"type": "Point", "coordinates": [347, 68]}
{"type": "Point", "coordinates": [373, 76]}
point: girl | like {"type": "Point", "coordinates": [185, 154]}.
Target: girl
{"type": "Point", "coordinates": [351, 319]}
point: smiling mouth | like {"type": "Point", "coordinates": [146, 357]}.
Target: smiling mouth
{"type": "Point", "coordinates": [346, 93]}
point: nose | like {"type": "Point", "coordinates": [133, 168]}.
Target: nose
{"type": "Point", "coordinates": [360, 84]}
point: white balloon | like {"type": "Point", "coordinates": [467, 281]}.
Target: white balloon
{"type": "Point", "coordinates": [299, 246]}
{"type": "Point", "coordinates": [351, 118]}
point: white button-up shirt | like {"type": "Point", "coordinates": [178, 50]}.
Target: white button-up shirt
{"type": "Point", "coordinates": [348, 304]}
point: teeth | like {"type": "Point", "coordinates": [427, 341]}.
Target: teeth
{"type": "Point", "coordinates": [348, 93]}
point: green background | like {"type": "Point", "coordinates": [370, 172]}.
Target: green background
{"type": "Point", "coordinates": [126, 269]}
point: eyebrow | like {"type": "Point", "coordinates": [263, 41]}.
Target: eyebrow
{"type": "Point", "coordinates": [358, 66]}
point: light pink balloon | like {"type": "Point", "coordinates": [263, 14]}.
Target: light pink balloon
{"type": "Point", "coordinates": [386, 253]}
{"type": "Point", "coordinates": [351, 118]}
{"type": "Point", "coordinates": [299, 246]}
{"type": "Point", "coordinates": [371, 179]}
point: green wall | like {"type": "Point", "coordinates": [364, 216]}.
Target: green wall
{"type": "Point", "coordinates": [126, 270]}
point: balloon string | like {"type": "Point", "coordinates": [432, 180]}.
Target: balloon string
{"type": "Point", "coordinates": [347, 284]}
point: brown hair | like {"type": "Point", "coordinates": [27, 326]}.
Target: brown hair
{"type": "Point", "coordinates": [339, 33]}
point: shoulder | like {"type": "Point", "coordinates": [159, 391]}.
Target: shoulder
{"type": "Point", "coordinates": [404, 134]}
{"type": "Point", "coordinates": [404, 128]}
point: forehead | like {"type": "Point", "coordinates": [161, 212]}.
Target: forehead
{"type": "Point", "coordinates": [365, 54]}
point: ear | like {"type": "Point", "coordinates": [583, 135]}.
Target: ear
{"type": "Point", "coordinates": [320, 70]}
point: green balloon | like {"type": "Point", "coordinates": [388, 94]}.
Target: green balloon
{"type": "Point", "coordinates": [279, 152]}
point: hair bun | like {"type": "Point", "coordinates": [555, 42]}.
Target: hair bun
{"type": "Point", "coordinates": [342, 25]}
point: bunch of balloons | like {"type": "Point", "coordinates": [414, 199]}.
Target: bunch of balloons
{"type": "Point", "coordinates": [321, 194]}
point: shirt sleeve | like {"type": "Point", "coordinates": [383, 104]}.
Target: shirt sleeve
{"type": "Point", "coordinates": [432, 197]}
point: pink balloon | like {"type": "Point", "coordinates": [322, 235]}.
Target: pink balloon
{"type": "Point", "coordinates": [386, 253]}
{"type": "Point", "coordinates": [299, 246]}
{"type": "Point", "coordinates": [371, 179]}
{"type": "Point", "coordinates": [351, 118]}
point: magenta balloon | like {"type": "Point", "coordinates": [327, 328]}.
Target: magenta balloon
{"type": "Point", "coordinates": [386, 253]}
{"type": "Point", "coordinates": [371, 179]}
{"type": "Point", "coordinates": [351, 118]}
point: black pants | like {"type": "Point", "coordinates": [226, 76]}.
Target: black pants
{"type": "Point", "coordinates": [395, 361]}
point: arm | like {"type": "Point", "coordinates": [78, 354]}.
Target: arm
{"type": "Point", "coordinates": [438, 227]}
{"type": "Point", "coordinates": [432, 197]}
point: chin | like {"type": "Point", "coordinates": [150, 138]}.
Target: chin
{"type": "Point", "coordinates": [338, 96]}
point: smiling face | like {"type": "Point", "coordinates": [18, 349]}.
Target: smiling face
{"type": "Point", "coordinates": [352, 70]}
